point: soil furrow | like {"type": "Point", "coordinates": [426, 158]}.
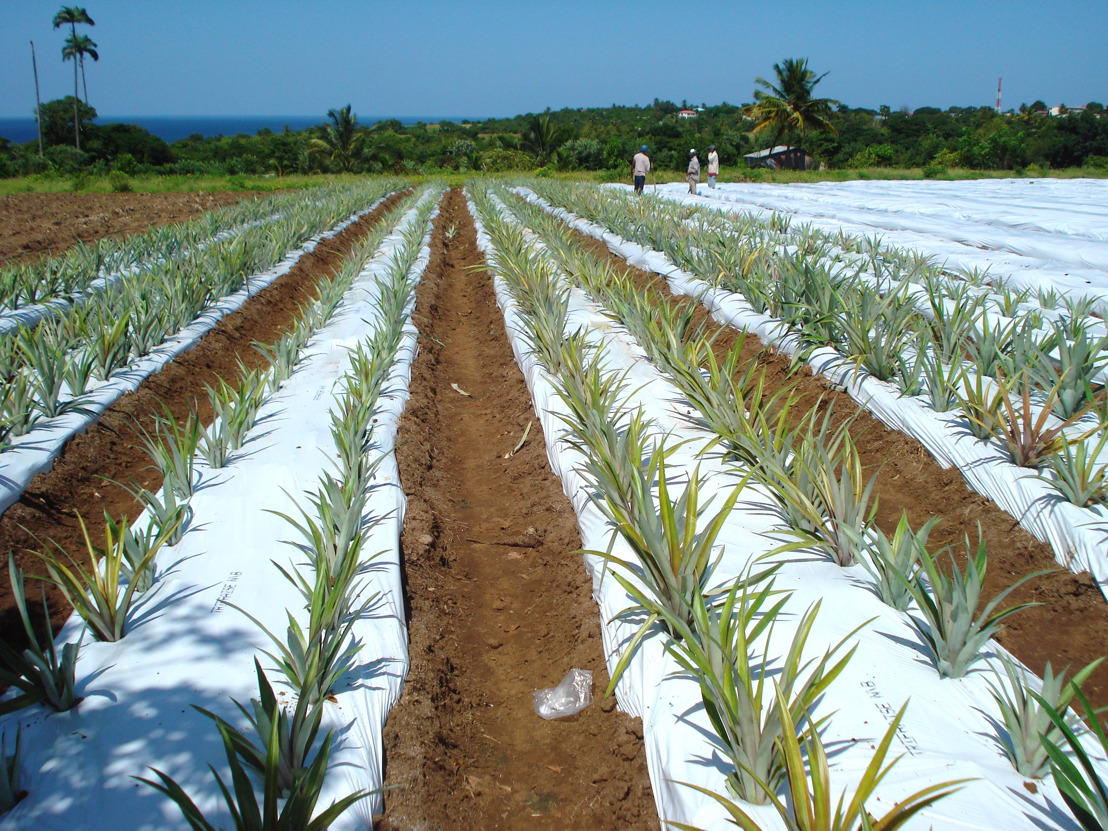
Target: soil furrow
{"type": "Point", "coordinates": [500, 603]}
{"type": "Point", "coordinates": [83, 479]}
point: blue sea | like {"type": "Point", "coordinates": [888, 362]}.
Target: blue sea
{"type": "Point", "coordinates": [172, 128]}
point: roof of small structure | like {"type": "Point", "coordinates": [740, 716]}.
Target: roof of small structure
{"type": "Point", "coordinates": [770, 151]}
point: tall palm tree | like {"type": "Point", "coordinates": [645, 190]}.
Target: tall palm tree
{"type": "Point", "coordinates": [76, 47]}
{"type": "Point", "coordinates": [542, 139]}
{"type": "Point", "coordinates": [341, 140]}
{"type": "Point", "coordinates": [789, 108]}
{"type": "Point", "coordinates": [73, 15]}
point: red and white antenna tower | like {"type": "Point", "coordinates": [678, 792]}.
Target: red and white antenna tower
{"type": "Point", "coordinates": [999, 81]}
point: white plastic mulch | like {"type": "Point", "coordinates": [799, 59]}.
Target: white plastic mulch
{"type": "Point", "coordinates": [948, 731]}
{"type": "Point", "coordinates": [187, 646]}
{"type": "Point", "coordinates": [1041, 233]}
{"type": "Point", "coordinates": [1078, 536]}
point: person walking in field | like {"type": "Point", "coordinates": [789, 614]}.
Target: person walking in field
{"type": "Point", "coordinates": [693, 173]}
{"type": "Point", "coordinates": [713, 166]}
{"type": "Point", "coordinates": [641, 166]}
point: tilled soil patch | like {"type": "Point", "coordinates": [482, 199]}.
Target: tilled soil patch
{"type": "Point", "coordinates": [1068, 628]}
{"type": "Point", "coordinates": [83, 480]}
{"type": "Point", "coordinates": [500, 602]}
{"type": "Point", "coordinates": [34, 225]}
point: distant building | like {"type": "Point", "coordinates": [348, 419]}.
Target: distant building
{"type": "Point", "coordinates": [686, 114]}
{"type": "Point", "coordinates": [781, 157]}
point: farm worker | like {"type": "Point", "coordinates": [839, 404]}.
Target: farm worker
{"type": "Point", "coordinates": [693, 174]}
{"type": "Point", "coordinates": [641, 165]}
{"type": "Point", "coordinates": [713, 165]}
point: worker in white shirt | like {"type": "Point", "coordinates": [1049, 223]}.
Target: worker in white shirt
{"type": "Point", "coordinates": [641, 166]}
{"type": "Point", "coordinates": [713, 166]}
{"type": "Point", "coordinates": [693, 173]}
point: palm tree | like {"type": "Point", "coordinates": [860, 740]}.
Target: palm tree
{"type": "Point", "coordinates": [341, 140]}
{"type": "Point", "coordinates": [73, 15]}
{"type": "Point", "coordinates": [789, 108]}
{"type": "Point", "coordinates": [76, 47]}
{"type": "Point", "coordinates": [542, 139]}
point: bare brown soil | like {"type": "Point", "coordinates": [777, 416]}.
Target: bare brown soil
{"type": "Point", "coordinates": [36, 225]}
{"type": "Point", "coordinates": [500, 602]}
{"type": "Point", "coordinates": [1069, 628]}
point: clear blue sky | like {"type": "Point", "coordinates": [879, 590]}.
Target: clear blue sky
{"type": "Point", "coordinates": [489, 58]}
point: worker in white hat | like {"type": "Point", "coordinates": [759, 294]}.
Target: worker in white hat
{"type": "Point", "coordinates": [693, 174]}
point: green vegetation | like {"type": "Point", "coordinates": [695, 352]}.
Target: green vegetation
{"type": "Point", "coordinates": [843, 142]}
{"type": "Point", "coordinates": [788, 109]}
{"type": "Point", "coordinates": [75, 49]}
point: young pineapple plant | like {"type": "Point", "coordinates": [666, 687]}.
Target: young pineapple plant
{"type": "Point", "coordinates": [725, 649]}
{"type": "Point", "coordinates": [1073, 359]}
{"type": "Point", "coordinates": [295, 728]}
{"type": "Point", "coordinates": [1080, 471]}
{"type": "Point", "coordinates": [991, 342]}
{"type": "Point", "coordinates": [39, 673]}
{"type": "Point", "coordinates": [952, 622]}
{"type": "Point", "coordinates": [876, 329]}
{"type": "Point", "coordinates": [1025, 721]}
{"type": "Point", "coordinates": [895, 563]}
{"type": "Point", "coordinates": [97, 591]}
{"type": "Point", "coordinates": [296, 811]}
{"type": "Point", "coordinates": [824, 496]}
{"type": "Point", "coordinates": [943, 377]}
{"type": "Point", "coordinates": [234, 409]}
{"type": "Point", "coordinates": [673, 546]}
{"type": "Point", "coordinates": [169, 516]}
{"type": "Point", "coordinates": [1073, 768]}
{"type": "Point", "coordinates": [172, 448]}
{"type": "Point", "coordinates": [982, 401]}
{"type": "Point", "coordinates": [1032, 434]}
{"type": "Point", "coordinates": [808, 803]}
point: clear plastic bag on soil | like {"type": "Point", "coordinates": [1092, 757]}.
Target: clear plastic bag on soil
{"type": "Point", "coordinates": [571, 696]}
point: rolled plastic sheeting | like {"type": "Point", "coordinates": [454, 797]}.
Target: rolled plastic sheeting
{"type": "Point", "coordinates": [1070, 257]}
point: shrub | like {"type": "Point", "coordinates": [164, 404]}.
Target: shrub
{"type": "Point", "coordinates": [499, 160]}
{"type": "Point", "coordinates": [120, 182]}
{"type": "Point", "coordinates": [65, 159]}
{"type": "Point", "coordinates": [125, 163]}
{"type": "Point", "coordinates": [876, 155]}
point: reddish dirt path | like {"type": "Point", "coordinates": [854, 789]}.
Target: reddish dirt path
{"type": "Point", "coordinates": [500, 602]}
{"type": "Point", "coordinates": [34, 225]}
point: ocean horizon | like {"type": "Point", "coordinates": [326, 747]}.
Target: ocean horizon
{"type": "Point", "coordinates": [173, 128]}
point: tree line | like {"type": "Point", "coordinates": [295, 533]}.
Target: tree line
{"type": "Point", "coordinates": [785, 109]}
